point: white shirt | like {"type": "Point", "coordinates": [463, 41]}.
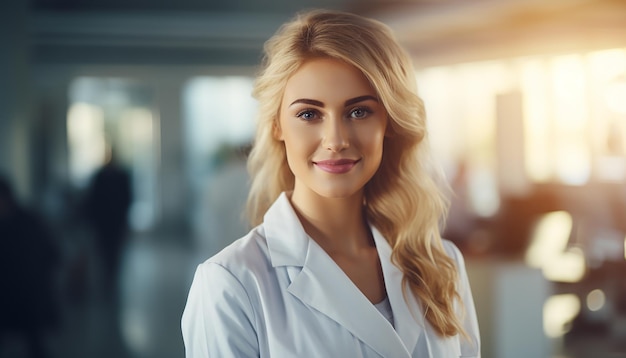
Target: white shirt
{"type": "Point", "coordinates": [276, 293]}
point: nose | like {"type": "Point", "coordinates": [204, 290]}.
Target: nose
{"type": "Point", "coordinates": [336, 134]}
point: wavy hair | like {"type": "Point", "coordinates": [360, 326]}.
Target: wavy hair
{"type": "Point", "coordinates": [403, 199]}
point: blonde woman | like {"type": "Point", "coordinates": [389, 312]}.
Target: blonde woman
{"type": "Point", "coordinates": [346, 257]}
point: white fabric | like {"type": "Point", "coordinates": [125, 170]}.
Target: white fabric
{"type": "Point", "coordinates": [276, 293]}
{"type": "Point", "coordinates": [384, 307]}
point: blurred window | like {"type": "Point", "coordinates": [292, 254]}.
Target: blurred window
{"type": "Point", "coordinates": [574, 118]}
{"type": "Point", "coordinates": [85, 134]}
{"type": "Point", "coordinates": [460, 103]}
{"type": "Point", "coordinates": [115, 112]}
{"type": "Point", "coordinates": [218, 111]}
{"type": "Point", "coordinates": [219, 117]}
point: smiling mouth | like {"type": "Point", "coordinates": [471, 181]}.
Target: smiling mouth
{"type": "Point", "coordinates": [337, 166]}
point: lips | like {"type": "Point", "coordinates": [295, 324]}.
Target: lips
{"type": "Point", "coordinates": [336, 166]}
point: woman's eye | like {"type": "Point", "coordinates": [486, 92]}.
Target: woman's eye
{"type": "Point", "coordinates": [360, 112]}
{"type": "Point", "coordinates": [307, 115]}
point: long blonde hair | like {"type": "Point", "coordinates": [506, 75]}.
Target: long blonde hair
{"type": "Point", "coordinates": [403, 201]}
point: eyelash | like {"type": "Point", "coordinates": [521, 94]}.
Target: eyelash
{"type": "Point", "coordinates": [367, 111]}
{"type": "Point", "coordinates": [305, 112]}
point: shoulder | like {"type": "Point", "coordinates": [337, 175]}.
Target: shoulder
{"type": "Point", "coordinates": [246, 255]}
{"type": "Point", "coordinates": [221, 314]}
{"type": "Point", "coordinates": [470, 347]}
{"type": "Point", "coordinates": [455, 254]}
{"type": "Point", "coordinates": [226, 281]}
{"type": "Point", "coordinates": [453, 251]}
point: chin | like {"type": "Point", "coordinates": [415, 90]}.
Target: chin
{"type": "Point", "coordinates": [338, 192]}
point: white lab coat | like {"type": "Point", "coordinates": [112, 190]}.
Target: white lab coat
{"type": "Point", "coordinates": [276, 293]}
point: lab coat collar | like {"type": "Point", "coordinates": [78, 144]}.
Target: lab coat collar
{"type": "Point", "coordinates": [322, 285]}
{"type": "Point", "coordinates": [287, 241]}
{"type": "Point", "coordinates": [408, 315]}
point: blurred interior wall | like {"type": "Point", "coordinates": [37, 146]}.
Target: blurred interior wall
{"type": "Point", "coordinates": [173, 192]}
{"type": "Point", "coordinates": [509, 298]}
{"type": "Point", "coordinates": [511, 174]}
{"type": "Point", "coordinates": [50, 106]}
{"type": "Point", "coordinates": [15, 92]}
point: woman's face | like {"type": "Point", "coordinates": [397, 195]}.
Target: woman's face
{"type": "Point", "coordinates": [333, 127]}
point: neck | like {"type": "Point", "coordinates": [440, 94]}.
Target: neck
{"type": "Point", "coordinates": [336, 224]}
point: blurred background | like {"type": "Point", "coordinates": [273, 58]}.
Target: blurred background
{"type": "Point", "coordinates": [124, 126]}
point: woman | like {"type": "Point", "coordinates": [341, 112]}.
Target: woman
{"type": "Point", "coordinates": [346, 259]}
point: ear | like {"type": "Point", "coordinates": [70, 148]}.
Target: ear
{"type": "Point", "coordinates": [277, 132]}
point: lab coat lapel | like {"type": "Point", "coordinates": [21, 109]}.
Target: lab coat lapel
{"type": "Point", "coordinates": [322, 285]}
{"type": "Point", "coordinates": [408, 317]}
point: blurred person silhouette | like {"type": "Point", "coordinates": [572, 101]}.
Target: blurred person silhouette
{"type": "Point", "coordinates": [108, 199]}
{"type": "Point", "coordinates": [29, 263]}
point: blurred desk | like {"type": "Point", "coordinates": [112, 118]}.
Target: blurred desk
{"type": "Point", "coordinates": [509, 298]}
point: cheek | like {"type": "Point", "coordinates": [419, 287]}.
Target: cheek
{"type": "Point", "coordinates": [297, 148]}
{"type": "Point", "coordinates": [292, 151]}
{"type": "Point", "coordinates": [299, 139]}
{"type": "Point", "coordinates": [373, 139]}
{"type": "Point", "coordinates": [291, 156]}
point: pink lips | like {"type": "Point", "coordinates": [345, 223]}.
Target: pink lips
{"type": "Point", "coordinates": [338, 166]}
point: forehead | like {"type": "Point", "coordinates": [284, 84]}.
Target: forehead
{"type": "Point", "coordinates": [327, 79]}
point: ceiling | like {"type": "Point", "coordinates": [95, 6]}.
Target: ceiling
{"type": "Point", "coordinates": [195, 32]}
{"type": "Point", "coordinates": [478, 30]}
{"type": "Point", "coordinates": [231, 6]}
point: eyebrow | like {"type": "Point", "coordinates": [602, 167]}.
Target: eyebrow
{"type": "Point", "coordinates": [351, 101]}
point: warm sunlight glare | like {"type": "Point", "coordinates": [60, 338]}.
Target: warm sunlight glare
{"type": "Point", "coordinates": [616, 96]}
{"type": "Point", "coordinates": [568, 266]}
{"type": "Point", "coordinates": [571, 119]}
{"type": "Point", "coordinates": [609, 69]}
{"type": "Point", "coordinates": [538, 152]}
{"type": "Point", "coordinates": [548, 249]}
{"type": "Point", "coordinates": [596, 300]}
{"type": "Point", "coordinates": [550, 237]}
{"type": "Point", "coordinates": [558, 311]}
{"type": "Point", "coordinates": [85, 132]}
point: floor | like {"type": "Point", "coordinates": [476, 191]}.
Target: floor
{"type": "Point", "coordinates": [156, 275]}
